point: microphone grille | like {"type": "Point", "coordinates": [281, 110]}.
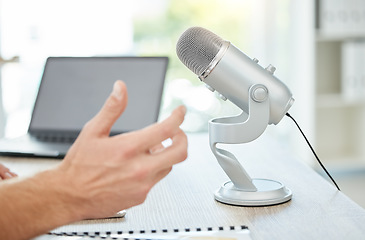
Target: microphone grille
{"type": "Point", "coordinates": [197, 47]}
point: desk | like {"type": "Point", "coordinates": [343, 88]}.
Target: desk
{"type": "Point", "coordinates": [185, 197]}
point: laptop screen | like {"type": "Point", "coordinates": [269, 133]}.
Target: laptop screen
{"type": "Point", "coordinates": [73, 89]}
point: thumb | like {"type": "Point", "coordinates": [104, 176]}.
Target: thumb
{"type": "Point", "coordinates": [113, 107]}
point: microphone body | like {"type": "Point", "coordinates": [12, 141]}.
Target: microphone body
{"type": "Point", "coordinates": [225, 68]}
{"type": "Point", "coordinates": [235, 73]}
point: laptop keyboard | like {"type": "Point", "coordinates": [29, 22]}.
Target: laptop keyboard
{"type": "Point", "coordinates": [55, 139]}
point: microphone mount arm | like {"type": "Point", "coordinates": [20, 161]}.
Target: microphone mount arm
{"type": "Point", "coordinates": [240, 129]}
{"type": "Point", "coordinates": [242, 189]}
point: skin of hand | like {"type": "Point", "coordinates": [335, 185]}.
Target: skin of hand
{"type": "Point", "coordinates": [5, 173]}
{"type": "Point", "coordinates": [128, 165]}
{"type": "Point", "coordinates": [99, 176]}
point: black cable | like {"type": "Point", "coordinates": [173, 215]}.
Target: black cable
{"type": "Point", "coordinates": [320, 163]}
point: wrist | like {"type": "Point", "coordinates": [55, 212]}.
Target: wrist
{"type": "Point", "coordinates": [38, 204]}
{"type": "Point", "coordinates": [63, 199]}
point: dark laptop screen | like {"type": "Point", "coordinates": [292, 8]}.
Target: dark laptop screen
{"type": "Point", "coordinates": [73, 89]}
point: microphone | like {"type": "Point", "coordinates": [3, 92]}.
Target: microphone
{"type": "Point", "coordinates": [262, 97]}
{"type": "Point", "coordinates": [224, 68]}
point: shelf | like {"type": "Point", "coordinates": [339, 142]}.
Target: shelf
{"type": "Point", "coordinates": [322, 36]}
{"type": "Point", "coordinates": [339, 114]}
{"type": "Point", "coordinates": [336, 100]}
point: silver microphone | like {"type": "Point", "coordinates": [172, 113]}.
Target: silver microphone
{"type": "Point", "coordinates": [224, 68]}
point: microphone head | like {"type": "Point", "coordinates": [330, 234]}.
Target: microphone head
{"type": "Point", "coordinates": [197, 47]}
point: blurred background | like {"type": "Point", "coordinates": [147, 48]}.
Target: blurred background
{"type": "Point", "coordinates": [317, 47]}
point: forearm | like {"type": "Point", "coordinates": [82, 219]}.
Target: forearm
{"type": "Point", "coordinates": [36, 205]}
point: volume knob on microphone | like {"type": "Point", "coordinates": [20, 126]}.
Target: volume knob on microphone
{"type": "Point", "coordinates": [259, 93]}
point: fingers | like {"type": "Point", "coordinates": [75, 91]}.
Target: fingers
{"type": "Point", "coordinates": [5, 173]}
{"type": "Point", "coordinates": [159, 147]}
{"type": "Point", "coordinates": [114, 106]}
{"type": "Point", "coordinates": [161, 161]}
{"type": "Point", "coordinates": [175, 153]}
{"type": "Point", "coordinates": [153, 135]}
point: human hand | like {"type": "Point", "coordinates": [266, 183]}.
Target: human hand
{"type": "Point", "coordinates": [5, 173]}
{"type": "Point", "coordinates": [104, 175]}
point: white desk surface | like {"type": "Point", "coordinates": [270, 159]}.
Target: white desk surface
{"type": "Point", "coordinates": [184, 199]}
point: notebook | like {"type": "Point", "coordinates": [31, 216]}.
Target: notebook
{"type": "Point", "coordinates": [72, 91]}
{"type": "Point", "coordinates": [207, 233]}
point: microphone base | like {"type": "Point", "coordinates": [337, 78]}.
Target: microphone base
{"type": "Point", "coordinates": [269, 192]}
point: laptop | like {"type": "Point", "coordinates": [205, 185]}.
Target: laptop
{"type": "Point", "coordinates": [73, 90]}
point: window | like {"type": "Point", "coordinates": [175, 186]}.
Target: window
{"type": "Point", "coordinates": [34, 30]}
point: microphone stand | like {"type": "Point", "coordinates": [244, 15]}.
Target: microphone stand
{"type": "Point", "coordinates": [242, 190]}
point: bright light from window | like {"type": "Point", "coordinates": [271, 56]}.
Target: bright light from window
{"type": "Point", "coordinates": [34, 30]}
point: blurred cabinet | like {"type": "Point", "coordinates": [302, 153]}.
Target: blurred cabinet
{"type": "Point", "coordinates": [340, 82]}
